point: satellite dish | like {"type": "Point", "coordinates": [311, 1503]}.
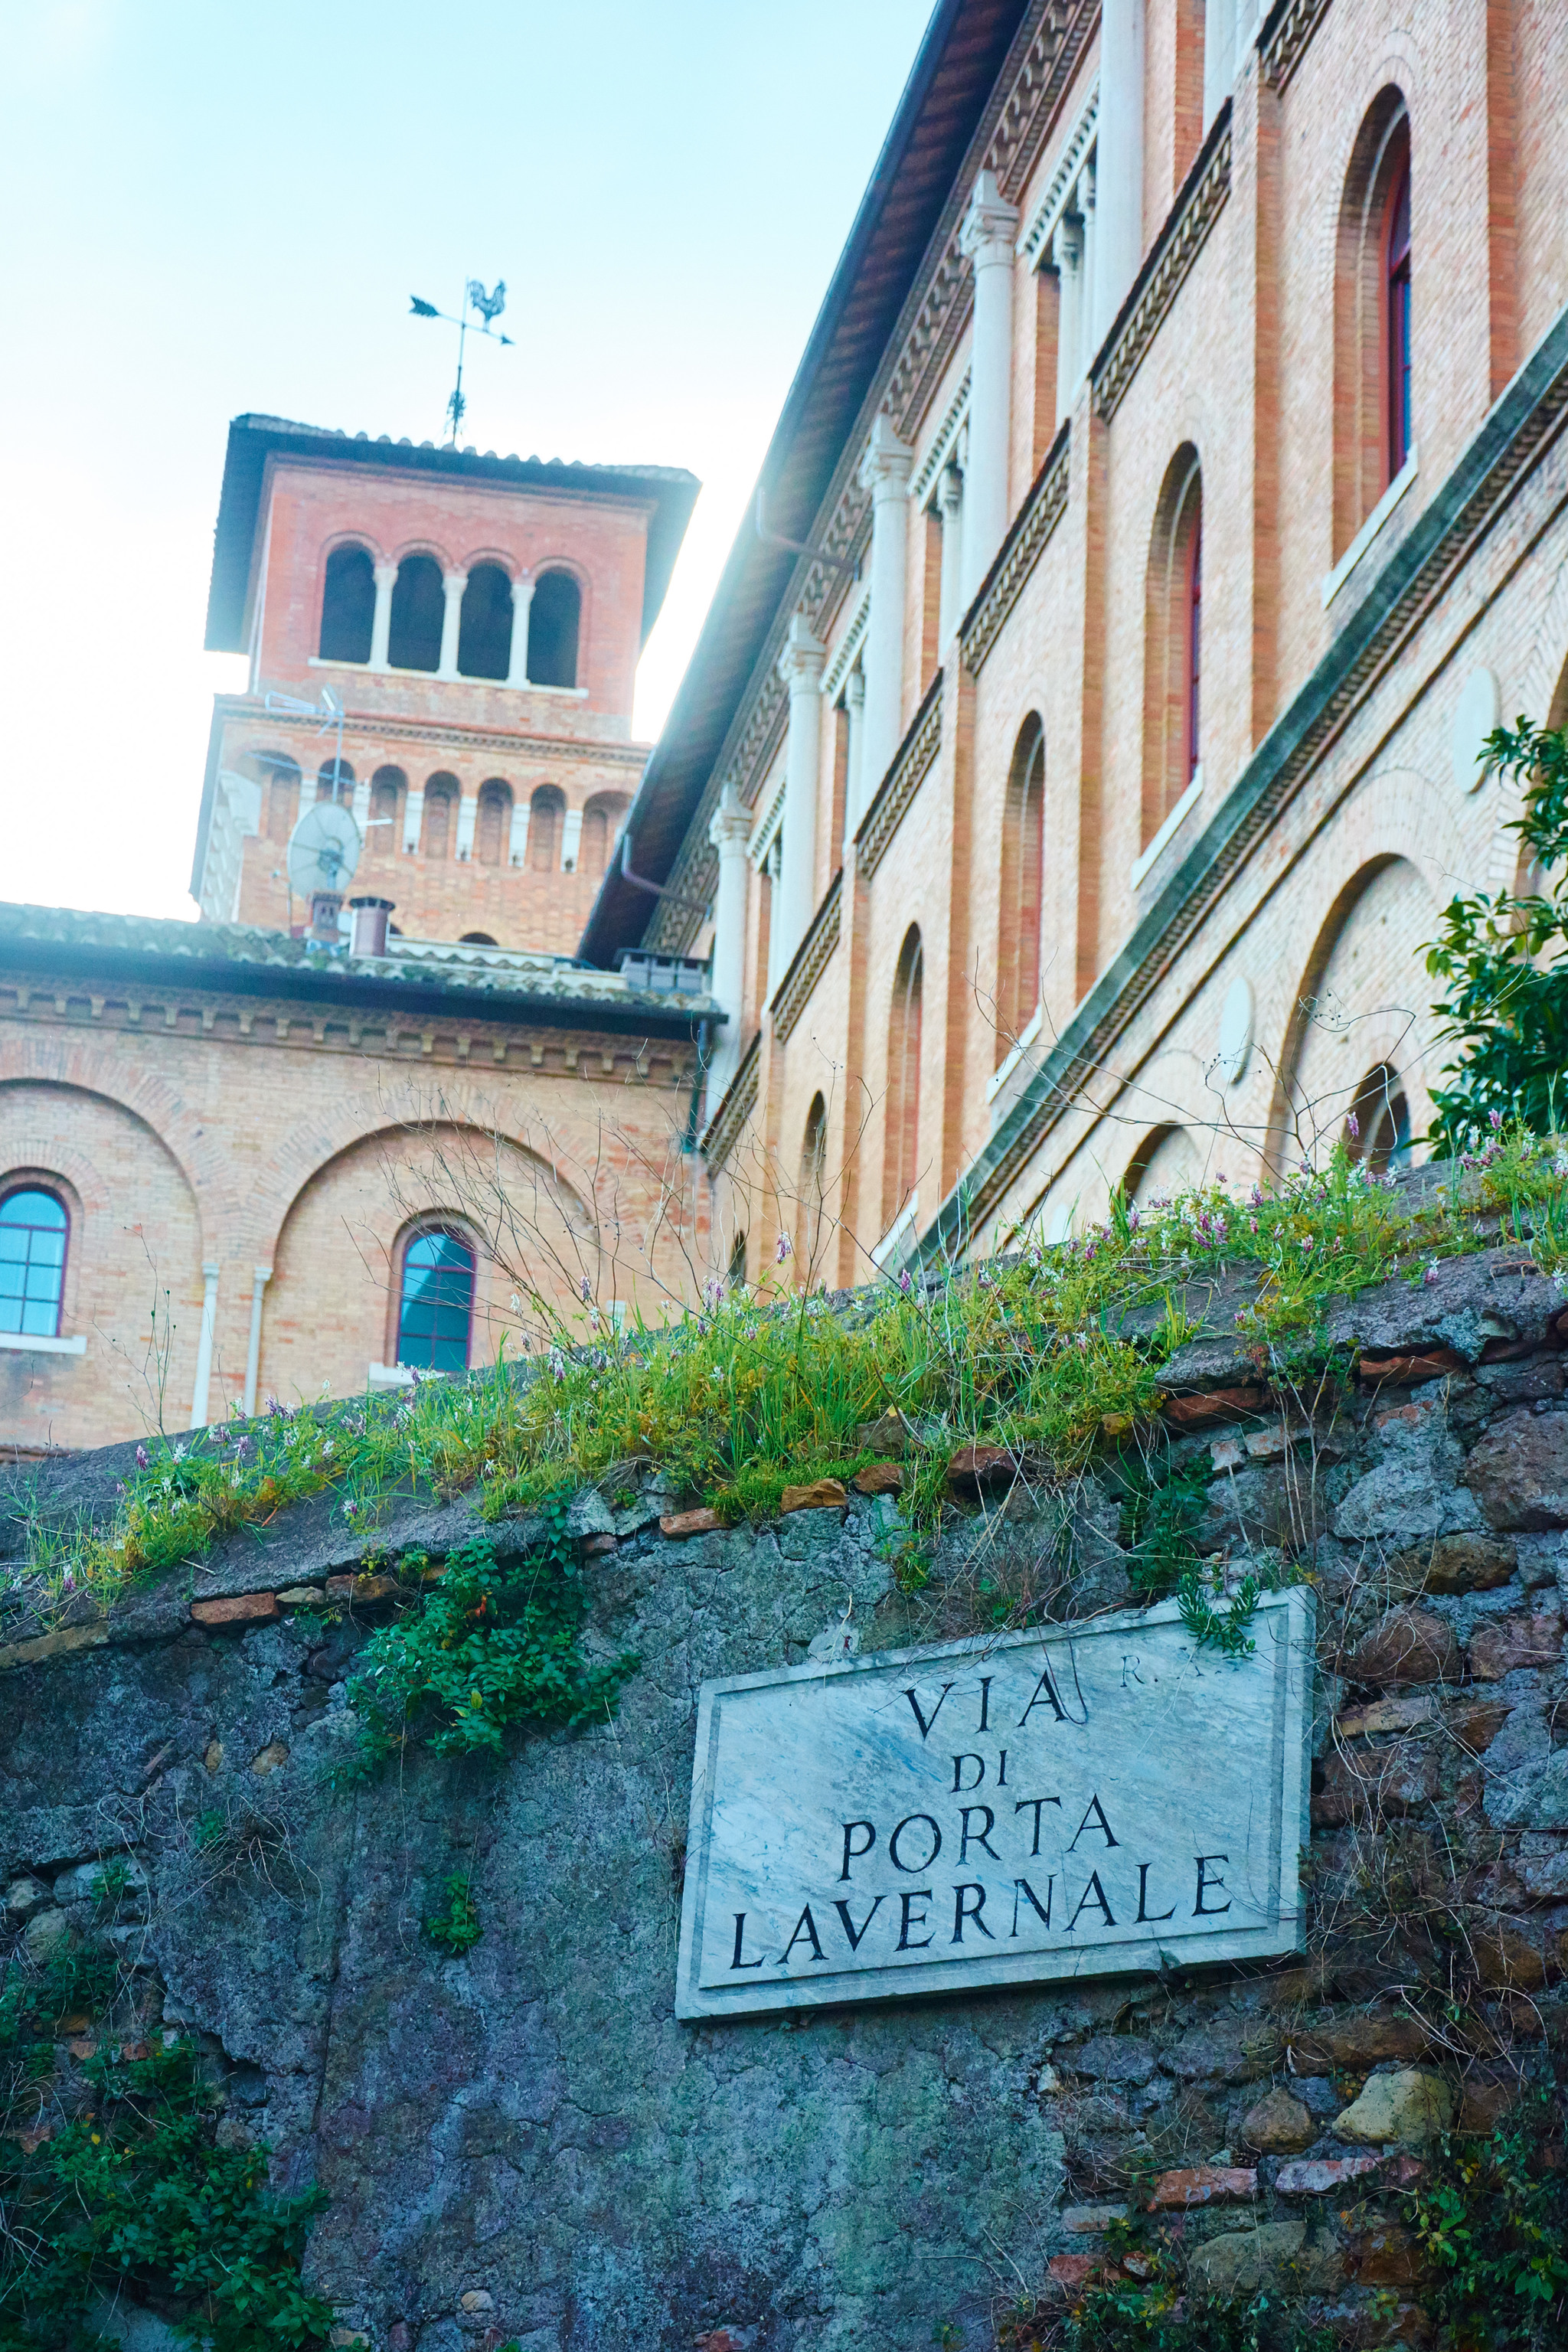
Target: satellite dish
{"type": "Point", "coordinates": [324, 850]}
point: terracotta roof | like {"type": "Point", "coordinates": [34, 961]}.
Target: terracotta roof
{"type": "Point", "coordinates": [671, 492]}
{"type": "Point", "coordinates": [242, 958]}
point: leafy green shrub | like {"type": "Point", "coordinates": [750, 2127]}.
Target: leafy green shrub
{"type": "Point", "coordinates": [454, 1927]}
{"type": "Point", "coordinates": [1493, 2215]}
{"type": "Point", "coordinates": [489, 1647]}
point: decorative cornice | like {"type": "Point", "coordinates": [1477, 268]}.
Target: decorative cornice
{"type": "Point", "coordinates": [1529, 415]}
{"type": "Point", "coordinates": [881, 821]}
{"type": "Point", "coordinates": [848, 646]}
{"type": "Point", "coordinates": [1020, 552]}
{"type": "Point", "coordinates": [940, 442]}
{"type": "Point", "coordinates": [739, 1101]}
{"type": "Point", "coordinates": [1161, 278]}
{"type": "Point", "coordinates": [1282, 43]}
{"type": "Point", "coordinates": [1069, 163]}
{"type": "Point", "coordinates": [391, 728]}
{"type": "Point", "coordinates": [809, 961]}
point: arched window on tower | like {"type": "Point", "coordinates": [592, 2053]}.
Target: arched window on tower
{"type": "Point", "coordinates": [901, 1168]}
{"type": "Point", "coordinates": [813, 1184]}
{"type": "Point", "coordinates": [418, 609]}
{"type": "Point", "coordinates": [546, 818]}
{"type": "Point", "coordinates": [386, 789]}
{"type": "Point", "coordinates": [336, 782]}
{"type": "Point", "coordinates": [440, 816]}
{"type": "Point", "coordinates": [553, 625]}
{"type": "Point", "coordinates": [1378, 1129]}
{"type": "Point", "coordinates": [493, 822]}
{"type": "Point", "coordinates": [348, 605]}
{"type": "Point", "coordinates": [436, 1302]}
{"type": "Point", "coordinates": [1373, 412]}
{"type": "Point", "coordinates": [602, 820]}
{"type": "Point", "coordinates": [282, 796]}
{"type": "Point", "coordinates": [1173, 652]}
{"type": "Point", "coordinates": [484, 633]}
{"type": "Point", "coordinates": [34, 1229]}
{"type": "Point", "coordinates": [1022, 887]}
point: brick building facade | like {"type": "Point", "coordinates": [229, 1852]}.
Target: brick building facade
{"type": "Point", "coordinates": [239, 1160]}
{"type": "Point", "coordinates": [1178, 464]}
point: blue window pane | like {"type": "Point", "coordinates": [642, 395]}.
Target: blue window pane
{"type": "Point", "coordinates": [32, 1263]}
{"type": "Point", "coordinates": [39, 1318]}
{"type": "Point", "coordinates": [32, 1209]}
{"type": "Point", "coordinates": [47, 1249]}
{"type": "Point", "coordinates": [13, 1276]}
{"type": "Point", "coordinates": [13, 1243]}
{"type": "Point", "coordinates": [436, 1311]}
{"type": "Point", "coordinates": [10, 1314]}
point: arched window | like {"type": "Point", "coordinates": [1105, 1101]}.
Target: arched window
{"type": "Point", "coordinates": [1396, 310]}
{"type": "Point", "coordinates": [484, 633]}
{"type": "Point", "coordinates": [812, 1183]}
{"type": "Point", "coordinates": [1173, 655]}
{"type": "Point", "coordinates": [546, 818]}
{"type": "Point", "coordinates": [1022, 889]}
{"type": "Point", "coordinates": [1378, 1129]}
{"type": "Point", "coordinates": [1373, 419]}
{"type": "Point", "coordinates": [34, 1229]}
{"type": "Point", "coordinates": [736, 1272]}
{"type": "Point", "coordinates": [902, 1157]}
{"type": "Point", "coordinates": [436, 1302]}
{"type": "Point", "coordinates": [386, 788]}
{"type": "Point", "coordinates": [282, 796]}
{"type": "Point", "coordinates": [477, 939]}
{"type": "Point", "coordinates": [601, 824]}
{"type": "Point", "coordinates": [348, 605]}
{"type": "Point", "coordinates": [552, 621]}
{"type": "Point", "coordinates": [440, 805]}
{"type": "Point", "coordinates": [335, 781]}
{"type": "Point", "coordinates": [418, 609]}
{"type": "Point", "coordinates": [493, 822]}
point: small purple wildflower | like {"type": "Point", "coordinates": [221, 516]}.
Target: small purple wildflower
{"type": "Point", "coordinates": [586, 1287]}
{"type": "Point", "coordinates": [906, 1282]}
{"type": "Point", "coordinates": [142, 1459]}
{"type": "Point", "coordinates": [784, 1249]}
{"type": "Point", "coordinates": [1352, 1127]}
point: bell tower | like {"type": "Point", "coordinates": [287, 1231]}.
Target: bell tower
{"type": "Point", "coordinates": [445, 644]}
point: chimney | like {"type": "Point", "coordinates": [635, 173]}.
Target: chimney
{"type": "Point", "coordinates": [370, 925]}
{"type": "Point", "coordinates": [325, 907]}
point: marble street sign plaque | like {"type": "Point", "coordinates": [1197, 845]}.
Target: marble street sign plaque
{"type": "Point", "coordinates": [1010, 1809]}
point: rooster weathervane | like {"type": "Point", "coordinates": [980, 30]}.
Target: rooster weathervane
{"type": "Point", "coordinates": [488, 307]}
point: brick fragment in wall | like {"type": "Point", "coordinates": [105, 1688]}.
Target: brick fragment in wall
{"type": "Point", "coordinates": [1216, 1404]}
{"type": "Point", "coordinates": [1359, 2040]}
{"type": "Point", "coordinates": [1504, 1644]}
{"type": "Point", "coordinates": [1203, 2184]}
{"type": "Point", "coordinates": [1468, 1562]}
{"type": "Point", "coordinates": [1517, 1471]}
{"type": "Point", "coordinates": [1409, 1645]}
{"type": "Point", "coordinates": [1366, 1787]}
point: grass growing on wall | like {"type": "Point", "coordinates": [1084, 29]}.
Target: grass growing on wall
{"type": "Point", "coordinates": [1058, 1349]}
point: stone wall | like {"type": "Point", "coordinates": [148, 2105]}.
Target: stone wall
{"type": "Point", "coordinates": [524, 2144]}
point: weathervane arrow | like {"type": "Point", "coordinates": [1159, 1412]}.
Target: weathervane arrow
{"type": "Point", "coordinates": [489, 307]}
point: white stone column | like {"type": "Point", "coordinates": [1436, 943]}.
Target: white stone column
{"type": "Point", "coordinates": [794, 903]}
{"type": "Point", "coordinates": [1067, 249]}
{"type": "Point", "coordinates": [468, 814]}
{"type": "Point", "coordinates": [885, 472]}
{"type": "Point", "coordinates": [570, 840]}
{"type": "Point", "coordinates": [855, 765]}
{"type": "Point", "coordinates": [452, 586]}
{"type": "Point", "coordinates": [1119, 156]}
{"type": "Point", "coordinates": [381, 625]}
{"type": "Point", "coordinates": [199, 1414]}
{"type": "Point", "coordinates": [522, 598]}
{"type": "Point", "coordinates": [950, 499]}
{"type": "Point", "coordinates": [413, 818]}
{"type": "Point", "coordinates": [263, 1276]}
{"type": "Point", "coordinates": [517, 846]}
{"type": "Point", "coordinates": [361, 804]}
{"type": "Point", "coordinates": [773, 867]}
{"type": "Point", "coordinates": [727, 830]}
{"type": "Point", "coordinates": [986, 237]}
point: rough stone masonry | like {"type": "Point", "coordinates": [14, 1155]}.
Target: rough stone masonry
{"type": "Point", "coordinates": [525, 2144]}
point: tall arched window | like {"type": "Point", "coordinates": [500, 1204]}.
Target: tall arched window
{"type": "Point", "coordinates": [902, 1157]}
{"type": "Point", "coordinates": [546, 817]}
{"type": "Point", "coordinates": [1172, 656]}
{"type": "Point", "coordinates": [282, 796]}
{"type": "Point", "coordinates": [1396, 310]}
{"type": "Point", "coordinates": [335, 781]}
{"type": "Point", "coordinates": [813, 1181]}
{"type": "Point", "coordinates": [601, 824]}
{"type": "Point", "coordinates": [553, 622]}
{"type": "Point", "coordinates": [418, 609]}
{"type": "Point", "coordinates": [1022, 887]}
{"type": "Point", "coordinates": [436, 1302]}
{"type": "Point", "coordinates": [484, 633]}
{"type": "Point", "coordinates": [440, 809]}
{"type": "Point", "coordinates": [386, 788]}
{"type": "Point", "coordinates": [492, 822]}
{"type": "Point", "coordinates": [1374, 424]}
{"type": "Point", "coordinates": [1381, 1116]}
{"type": "Point", "coordinates": [34, 1229]}
{"type": "Point", "coordinates": [348, 605]}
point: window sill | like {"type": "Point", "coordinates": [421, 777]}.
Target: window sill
{"type": "Point", "coordinates": [397, 1376]}
{"type": "Point", "coordinates": [1005, 1069]}
{"type": "Point", "coordinates": [450, 677]}
{"type": "Point", "coordinates": [29, 1343]}
{"type": "Point", "coordinates": [890, 1247]}
{"type": "Point", "coordinates": [1370, 530]}
{"type": "Point", "coordinates": [1172, 827]}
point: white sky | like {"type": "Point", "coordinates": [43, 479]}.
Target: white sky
{"type": "Point", "coordinates": [211, 208]}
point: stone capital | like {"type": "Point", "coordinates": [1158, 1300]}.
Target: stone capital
{"type": "Point", "coordinates": [989, 226]}
{"type": "Point", "coordinates": [523, 588]}
{"type": "Point", "coordinates": [888, 463]}
{"type": "Point", "coordinates": [800, 663]}
{"type": "Point", "coordinates": [729, 827]}
{"type": "Point", "coordinates": [454, 582]}
{"type": "Point", "coordinates": [385, 575]}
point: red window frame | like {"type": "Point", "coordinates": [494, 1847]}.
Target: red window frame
{"type": "Point", "coordinates": [1396, 312]}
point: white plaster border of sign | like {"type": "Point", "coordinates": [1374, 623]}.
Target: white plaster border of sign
{"type": "Point", "coordinates": [1284, 1631]}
